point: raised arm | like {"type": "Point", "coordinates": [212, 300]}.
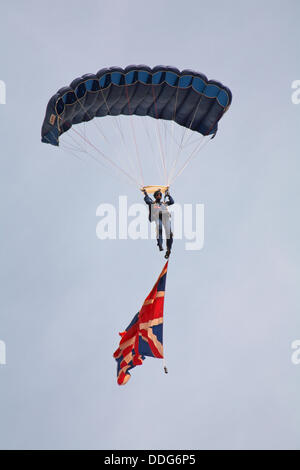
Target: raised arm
{"type": "Point", "coordinates": [147, 199]}
{"type": "Point", "coordinates": [170, 200]}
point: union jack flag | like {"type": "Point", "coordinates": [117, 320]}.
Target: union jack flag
{"type": "Point", "coordinates": [144, 335]}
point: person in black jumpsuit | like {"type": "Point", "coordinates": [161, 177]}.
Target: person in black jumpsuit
{"type": "Point", "coordinates": [158, 212]}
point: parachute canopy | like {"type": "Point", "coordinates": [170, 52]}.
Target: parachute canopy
{"type": "Point", "coordinates": [187, 97]}
{"type": "Point", "coordinates": [170, 111]}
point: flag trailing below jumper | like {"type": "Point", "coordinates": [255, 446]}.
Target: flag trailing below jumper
{"type": "Point", "coordinates": [144, 335]}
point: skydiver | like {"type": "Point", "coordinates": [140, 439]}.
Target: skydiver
{"type": "Point", "coordinates": [158, 212]}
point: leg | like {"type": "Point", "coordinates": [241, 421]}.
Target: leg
{"type": "Point", "coordinates": [170, 242]}
{"type": "Point", "coordinates": [159, 233]}
{"type": "Point", "coordinates": [169, 235]}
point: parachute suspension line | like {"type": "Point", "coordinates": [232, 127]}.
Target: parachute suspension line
{"type": "Point", "coordinates": [75, 142]}
{"type": "Point", "coordinates": [144, 121]}
{"type": "Point", "coordinates": [173, 131]}
{"type": "Point", "coordinates": [99, 162]}
{"type": "Point", "coordinates": [193, 142]}
{"type": "Point", "coordinates": [102, 132]}
{"type": "Point", "coordinates": [65, 148]}
{"type": "Point", "coordinates": [73, 153]}
{"type": "Point", "coordinates": [130, 160]}
{"type": "Point", "coordinates": [182, 145]}
{"type": "Point", "coordinates": [167, 146]}
{"type": "Point", "coordinates": [71, 148]}
{"type": "Point", "coordinates": [98, 127]}
{"type": "Point", "coordinates": [164, 140]}
{"type": "Point", "coordinates": [200, 145]}
{"type": "Point", "coordinates": [134, 138]}
{"type": "Point", "coordinates": [194, 115]}
{"type": "Point", "coordinates": [105, 157]}
{"type": "Point", "coordinates": [159, 135]}
{"type": "Point", "coordinates": [150, 139]}
{"type": "Point", "coordinates": [171, 136]}
{"type": "Point", "coordinates": [84, 133]}
{"type": "Point", "coordinates": [117, 125]}
{"type": "Point", "coordinates": [159, 153]}
{"type": "Point", "coordinates": [177, 157]}
{"type": "Point", "coordinates": [115, 122]}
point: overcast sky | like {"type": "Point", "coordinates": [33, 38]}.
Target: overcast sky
{"type": "Point", "coordinates": [231, 309]}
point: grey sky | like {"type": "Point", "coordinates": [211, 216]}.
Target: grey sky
{"type": "Point", "coordinates": [232, 309]}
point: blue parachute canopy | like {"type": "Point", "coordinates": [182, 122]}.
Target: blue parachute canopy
{"type": "Point", "coordinates": [186, 97]}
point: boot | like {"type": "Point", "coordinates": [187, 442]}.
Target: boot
{"type": "Point", "coordinates": [159, 246]}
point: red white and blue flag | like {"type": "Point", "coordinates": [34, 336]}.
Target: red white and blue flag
{"type": "Point", "coordinates": [144, 335]}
